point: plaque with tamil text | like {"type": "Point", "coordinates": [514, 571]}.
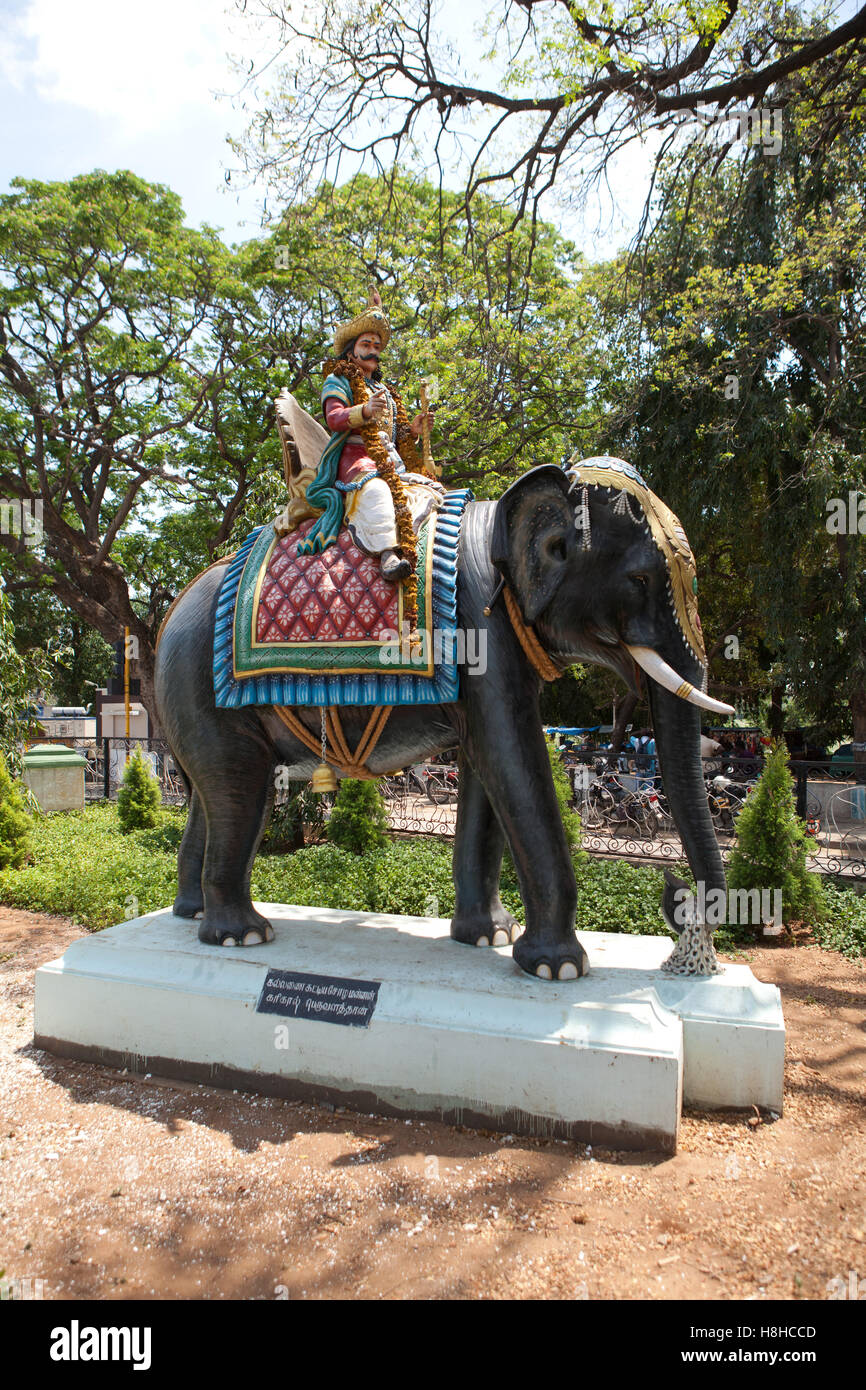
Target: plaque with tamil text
{"type": "Point", "coordinates": [319, 998]}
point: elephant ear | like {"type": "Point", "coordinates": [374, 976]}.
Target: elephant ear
{"type": "Point", "coordinates": [534, 538]}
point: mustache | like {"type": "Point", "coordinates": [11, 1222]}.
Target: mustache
{"type": "Point", "coordinates": [368, 356]}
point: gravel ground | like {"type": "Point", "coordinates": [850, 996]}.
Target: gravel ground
{"type": "Point", "coordinates": [113, 1186]}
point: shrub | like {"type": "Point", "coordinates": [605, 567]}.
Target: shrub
{"type": "Point", "coordinates": [570, 819]}
{"type": "Point", "coordinates": [16, 822]}
{"type": "Point", "coordinates": [844, 925]}
{"type": "Point", "coordinates": [358, 821]}
{"type": "Point", "coordinates": [139, 799]}
{"type": "Point", "coordinates": [772, 844]}
{"type": "Point", "coordinates": [285, 830]}
{"type": "Point", "coordinates": [86, 868]}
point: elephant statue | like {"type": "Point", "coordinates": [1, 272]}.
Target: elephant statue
{"type": "Point", "coordinates": [592, 567]}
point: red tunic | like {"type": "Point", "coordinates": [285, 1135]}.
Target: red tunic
{"type": "Point", "coordinates": [354, 460]}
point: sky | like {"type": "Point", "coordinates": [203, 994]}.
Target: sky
{"type": "Point", "coordinates": [88, 84]}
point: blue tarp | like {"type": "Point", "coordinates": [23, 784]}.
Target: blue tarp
{"type": "Point", "coordinates": [559, 729]}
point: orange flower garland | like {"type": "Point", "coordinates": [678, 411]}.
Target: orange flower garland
{"type": "Point", "coordinates": [369, 432]}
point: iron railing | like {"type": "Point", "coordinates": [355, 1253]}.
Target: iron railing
{"type": "Point", "coordinates": [626, 824]}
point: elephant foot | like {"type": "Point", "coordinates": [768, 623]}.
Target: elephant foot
{"type": "Point", "coordinates": [235, 927]}
{"type": "Point", "coordinates": [188, 905]}
{"type": "Point", "coordinates": [551, 960]}
{"type": "Point", "coordinates": [496, 928]}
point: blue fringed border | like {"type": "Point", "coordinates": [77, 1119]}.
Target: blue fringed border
{"type": "Point", "coordinates": [376, 689]}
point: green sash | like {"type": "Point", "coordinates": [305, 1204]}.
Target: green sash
{"type": "Point", "coordinates": [321, 492]}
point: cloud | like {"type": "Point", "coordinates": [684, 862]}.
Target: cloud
{"type": "Point", "coordinates": [139, 67]}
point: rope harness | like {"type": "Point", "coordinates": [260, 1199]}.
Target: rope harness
{"type": "Point", "coordinates": [340, 755]}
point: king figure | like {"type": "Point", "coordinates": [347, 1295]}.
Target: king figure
{"type": "Point", "coordinates": [370, 474]}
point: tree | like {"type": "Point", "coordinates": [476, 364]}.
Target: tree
{"type": "Point", "coordinates": [139, 361]}
{"type": "Point", "coordinates": [139, 799]}
{"type": "Point", "coordinates": [20, 681]}
{"type": "Point", "coordinates": [358, 821]}
{"type": "Point", "coordinates": [116, 340]}
{"type": "Point", "coordinates": [569, 85]}
{"type": "Point", "coordinates": [15, 821]}
{"type": "Point", "coordinates": [510, 337]}
{"type": "Point", "coordinates": [80, 659]}
{"type": "Point", "coordinates": [746, 412]}
{"type": "Point", "coordinates": [772, 845]}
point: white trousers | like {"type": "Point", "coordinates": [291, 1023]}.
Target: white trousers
{"type": "Point", "coordinates": [370, 510]}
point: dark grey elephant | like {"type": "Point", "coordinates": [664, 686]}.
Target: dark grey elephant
{"type": "Point", "coordinates": [600, 572]}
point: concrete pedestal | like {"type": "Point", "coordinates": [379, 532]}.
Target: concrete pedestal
{"type": "Point", "coordinates": [388, 1015]}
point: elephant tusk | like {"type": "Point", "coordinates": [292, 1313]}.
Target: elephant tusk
{"type": "Point", "coordinates": [667, 677]}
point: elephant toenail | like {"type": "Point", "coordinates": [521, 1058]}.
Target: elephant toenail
{"type": "Point", "coordinates": [567, 971]}
{"type": "Point", "coordinates": [483, 941]}
{"type": "Point", "coordinates": [253, 938]}
{"type": "Point", "coordinates": [501, 937]}
{"type": "Point", "coordinates": [544, 971]}
{"type": "Point", "coordinates": [229, 941]}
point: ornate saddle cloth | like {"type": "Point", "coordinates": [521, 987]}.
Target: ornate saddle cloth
{"type": "Point", "coordinates": [325, 629]}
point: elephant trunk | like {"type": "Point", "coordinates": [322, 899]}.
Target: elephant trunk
{"type": "Point", "coordinates": [677, 730]}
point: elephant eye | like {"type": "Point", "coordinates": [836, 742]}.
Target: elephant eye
{"type": "Point", "coordinates": [642, 580]}
{"type": "Point", "coordinates": [557, 549]}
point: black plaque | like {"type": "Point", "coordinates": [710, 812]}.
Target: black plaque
{"type": "Point", "coordinates": [320, 998]}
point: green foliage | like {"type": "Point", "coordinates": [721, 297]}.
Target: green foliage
{"type": "Point", "coordinates": [87, 869]}
{"type": "Point", "coordinates": [358, 821]}
{"type": "Point", "coordinates": [570, 819]}
{"type": "Point", "coordinates": [16, 822]}
{"type": "Point", "coordinates": [139, 799]}
{"type": "Point", "coordinates": [844, 925]}
{"type": "Point", "coordinates": [300, 807]}
{"type": "Point", "coordinates": [772, 845]}
{"type": "Point", "coordinates": [741, 401]}
{"type": "Point", "coordinates": [20, 680]}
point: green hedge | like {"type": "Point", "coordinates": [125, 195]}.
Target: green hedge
{"type": "Point", "coordinates": [844, 925]}
{"type": "Point", "coordinates": [87, 869]}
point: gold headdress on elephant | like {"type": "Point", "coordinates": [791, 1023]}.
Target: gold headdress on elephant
{"type": "Point", "coordinates": [667, 532]}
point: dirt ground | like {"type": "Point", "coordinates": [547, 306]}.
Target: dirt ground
{"type": "Point", "coordinates": [114, 1186]}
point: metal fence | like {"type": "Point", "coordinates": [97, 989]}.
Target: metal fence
{"type": "Point", "coordinates": [625, 813]}
{"type": "Point", "coordinates": [623, 809]}
{"type": "Point", "coordinates": [106, 761]}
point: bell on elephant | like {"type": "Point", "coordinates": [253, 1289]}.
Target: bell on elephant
{"type": "Point", "coordinates": [324, 779]}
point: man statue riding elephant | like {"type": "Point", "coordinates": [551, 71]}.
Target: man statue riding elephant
{"type": "Point", "coordinates": [371, 476]}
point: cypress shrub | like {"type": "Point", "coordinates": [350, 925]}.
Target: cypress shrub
{"type": "Point", "coordinates": [358, 821]}
{"type": "Point", "coordinates": [772, 844]}
{"type": "Point", "coordinates": [139, 800]}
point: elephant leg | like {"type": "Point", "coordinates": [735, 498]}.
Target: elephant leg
{"type": "Point", "coordinates": [238, 795]}
{"type": "Point", "coordinates": [479, 917]}
{"type": "Point", "coordinates": [509, 753]}
{"type": "Point", "coordinates": [190, 861]}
